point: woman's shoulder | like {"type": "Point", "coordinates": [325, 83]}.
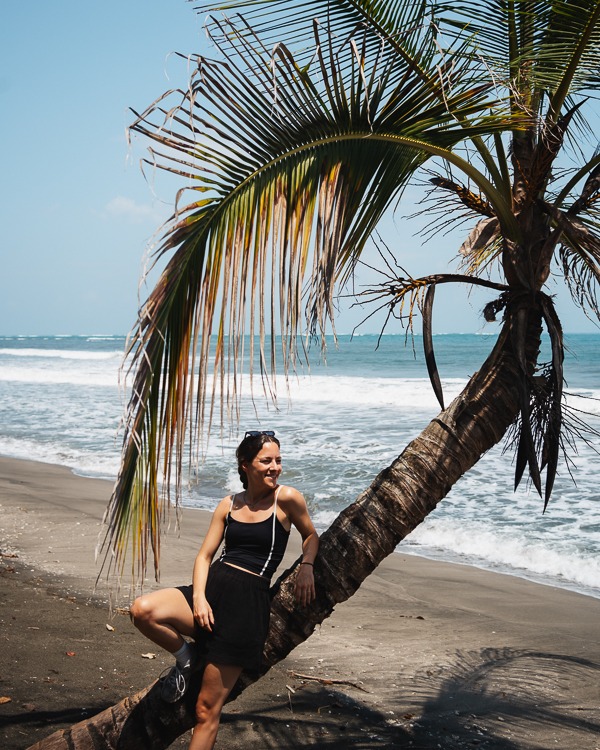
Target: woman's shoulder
{"type": "Point", "coordinates": [287, 494]}
{"type": "Point", "coordinates": [224, 506]}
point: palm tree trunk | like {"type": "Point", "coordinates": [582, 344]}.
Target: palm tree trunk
{"type": "Point", "coordinates": [363, 534]}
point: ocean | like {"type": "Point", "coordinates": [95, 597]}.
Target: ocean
{"type": "Point", "coordinates": [62, 399]}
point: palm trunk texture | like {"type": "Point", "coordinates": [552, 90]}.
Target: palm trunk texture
{"type": "Point", "coordinates": [363, 535]}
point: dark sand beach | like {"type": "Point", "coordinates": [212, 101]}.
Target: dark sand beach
{"type": "Point", "coordinates": [426, 654]}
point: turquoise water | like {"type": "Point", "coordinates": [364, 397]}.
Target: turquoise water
{"type": "Point", "coordinates": [60, 402]}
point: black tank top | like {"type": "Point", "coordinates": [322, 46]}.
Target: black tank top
{"type": "Point", "coordinates": [257, 547]}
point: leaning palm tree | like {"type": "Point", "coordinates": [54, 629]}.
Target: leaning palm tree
{"type": "Point", "coordinates": [293, 142]}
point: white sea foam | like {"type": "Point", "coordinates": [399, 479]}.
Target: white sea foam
{"type": "Point", "coordinates": [116, 355]}
{"type": "Point", "coordinates": [510, 551]}
{"type": "Point", "coordinates": [332, 390]}
{"type": "Point", "coordinates": [85, 463]}
{"type": "Point", "coordinates": [77, 377]}
{"type": "Point", "coordinates": [585, 401]}
{"type": "Point", "coordinates": [384, 392]}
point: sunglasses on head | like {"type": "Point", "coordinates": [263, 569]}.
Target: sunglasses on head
{"type": "Point", "coordinates": [256, 433]}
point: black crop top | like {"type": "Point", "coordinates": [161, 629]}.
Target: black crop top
{"type": "Point", "coordinates": [258, 547]}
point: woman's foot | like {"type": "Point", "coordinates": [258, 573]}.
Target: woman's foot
{"type": "Point", "coordinates": [175, 683]}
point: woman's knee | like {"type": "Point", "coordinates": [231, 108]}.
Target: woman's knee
{"type": "Point", "coordinates": [141, 611]}
{"type": "Point", "coordinates": [207, 710]}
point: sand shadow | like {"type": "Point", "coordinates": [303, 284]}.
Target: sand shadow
{"type": "Point", "coordinates": [493, 699]}
{"type": "Point", "coordinates": [318, 717]}
{"type": "Point", "coordinates": [497, 698]}
{"type": "Point", "coordinates": [51, 720]}
{"type": "Point", "coordinates": [314, 717]}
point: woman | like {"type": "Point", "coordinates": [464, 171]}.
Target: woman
{"type": "Point", "coordinates": [226, 609]}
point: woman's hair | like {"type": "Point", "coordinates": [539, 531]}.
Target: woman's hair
{"type": "Point", "coordinates": [249, 448]}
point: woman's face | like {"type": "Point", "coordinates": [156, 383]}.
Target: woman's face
{"type": "Point", "coordinates": [265, 468]}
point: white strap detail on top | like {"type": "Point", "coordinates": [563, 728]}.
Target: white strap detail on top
{"type": "Point", "coordinates": [270, 555]}
{"type": "Point", "coordinates": [224, 550]}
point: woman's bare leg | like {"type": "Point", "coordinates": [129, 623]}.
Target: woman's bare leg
{"type": "Point", "coordinates": [217, 682]}
{"type": "Point", "coordinates": [164, 617]}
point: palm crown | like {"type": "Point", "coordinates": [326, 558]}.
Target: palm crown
{"type": "Point", "coordinates": [293, 142]}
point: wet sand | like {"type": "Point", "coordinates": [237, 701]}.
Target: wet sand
{"type": "Point", "coordinates": [425, 655]}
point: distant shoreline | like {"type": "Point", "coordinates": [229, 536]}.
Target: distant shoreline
{"type": "Point", "coordinates": [109, 336]}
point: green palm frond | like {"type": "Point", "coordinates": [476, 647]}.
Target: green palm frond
{"type": "Point", "coordinates": [538, 49]}
{"type": "Point", "coordinates": [292, 169]}
{"type": "Point", "coordinates": [398, 22]}
{"type": "Point", "coordinates": [404, 32]}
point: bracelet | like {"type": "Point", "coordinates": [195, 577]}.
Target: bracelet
{"type": "Point", "coordinates": [307, 563]}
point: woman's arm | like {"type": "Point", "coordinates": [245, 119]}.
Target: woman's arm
{"type": "Point", "coordinates": [214, 536]}
{"type": "Point", "coordinates": [294, 506]}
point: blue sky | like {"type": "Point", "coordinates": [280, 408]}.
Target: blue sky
{"type": "Point", "coordinates": [77, 212]}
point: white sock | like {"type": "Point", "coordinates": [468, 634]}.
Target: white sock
{"type": "Point", "coordinates": [184, 655]}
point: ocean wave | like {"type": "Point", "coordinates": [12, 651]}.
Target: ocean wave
{"type": "Point", "coordinates": [353, 391]}
{"type": "Point", "coordinates": [509, 552]}
{"type": "Point", "coordinates": [109, 379]}
{"type": "Point", "coordinates": [88, 463]}
{"type": "Point", "coordinates": [74, 354]}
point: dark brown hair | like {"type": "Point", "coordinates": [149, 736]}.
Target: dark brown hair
{"type": "Point", "coordinates": [249, 448]}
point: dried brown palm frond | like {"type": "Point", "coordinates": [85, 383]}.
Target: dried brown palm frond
{"type": "Point", "coordinates": [402, 296]}
{"type": "Point", "coordinates": [476, 202]}
{"type": "Point", "coordinates": [536, 435]}
{"type": "Point", "coordinates": [482, 247]}
{"type": "Point", "coordinates": [550, 437]}
{"type": "Point", "coordinates": [579, 253]}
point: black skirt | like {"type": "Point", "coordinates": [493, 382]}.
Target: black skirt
{"type": "Point", "coordinates": [241, 606]}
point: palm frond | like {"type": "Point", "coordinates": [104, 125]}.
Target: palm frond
{"type": "Point", "coordinates": [551, 423]}
{"type": "Point", "coordinates": [526, 447]}
{"type": "Point", "coordinates": [579, 252]}
{"type": "Point", "coordinates": [434, 376]}
{"type": "Point", "coordinates": [403, 295]}
{"type": "Point", "coordinates": [404, 32]}
{"type": "Point", "coordinates": [451, 204]}
{"type": "Point", "coordinates": [399, 22]}
{"type": "Point", "coordinates": [538, 50]}
{"type": "Point", "coordinates": [536, 435]}
{"type": "Point", "coordinates": [588, 172]}
{"type": "Point", "coordinates": [477, 203]}
{"type": "Point", "coordinates": [290, 170]}
{"type": "Point", "coordinates": [476, 247]}
{"type": "Point", "coordinates": [589, 199]}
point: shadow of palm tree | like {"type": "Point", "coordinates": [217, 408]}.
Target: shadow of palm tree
{"type": "Point", "coordinates": [319, 717]}
{"type": "Point", "coordinates": [505, 699]}
{"type": "Point", "coordinates": [49, 718]}
{"type": "Point", "coordinates": [498, 699]}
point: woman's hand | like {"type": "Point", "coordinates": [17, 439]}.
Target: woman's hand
{"type": "Point", "coordinates": [294, 506]}
{"type": "Point", "coordinates": [203, 614]}
{"type": "Point", "coordinates": [202, 611]}
{"type": "Point", "coordinates": [305, 585]}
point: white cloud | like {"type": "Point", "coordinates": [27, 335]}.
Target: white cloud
{"type": "Point", "coordinates": [127, 208]}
